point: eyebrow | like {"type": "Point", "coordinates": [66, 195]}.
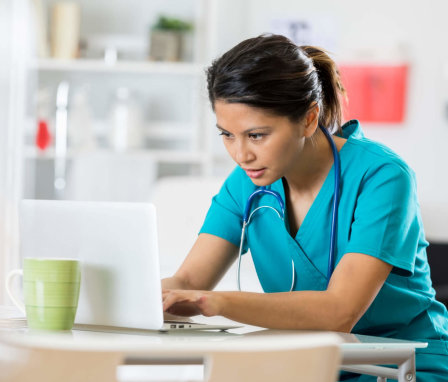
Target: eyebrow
{"type": "Point", "coordinates": [246, 131]}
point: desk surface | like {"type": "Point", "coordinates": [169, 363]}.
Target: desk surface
{"type": "Point", "coordinates": [145, 341]}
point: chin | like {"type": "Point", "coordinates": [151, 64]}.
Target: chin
{"type": "Point", "coordinates": [260, 182]}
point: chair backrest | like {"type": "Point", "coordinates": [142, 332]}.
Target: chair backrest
{"type": "Point", "coordinates": [318, 364]}
{"type": "Point", "coordinates": [51, 365]}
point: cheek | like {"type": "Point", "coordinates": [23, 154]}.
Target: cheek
{"type": "Point", "coordinates": [231, 149]}
{"type": "Point", "coordinates": [228, 147]}
{"type": "Point", "coordinates": [284, 151]}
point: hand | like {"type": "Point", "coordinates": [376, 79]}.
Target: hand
{"type": "Point", "coordinates": [191, 302]}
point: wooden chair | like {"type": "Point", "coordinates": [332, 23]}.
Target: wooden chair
{"type": "Point", "coordinates": [47, 365]}
{"type": "Point", "coordinates": [316, 363]}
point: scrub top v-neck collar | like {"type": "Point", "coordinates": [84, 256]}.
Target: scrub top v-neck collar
{"type": "Point", "coordinates": [325, 192]}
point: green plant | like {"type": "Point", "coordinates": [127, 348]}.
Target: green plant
{"type": "Point", "coordinates": [172, 24]}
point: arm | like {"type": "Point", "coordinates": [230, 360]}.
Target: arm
{"type": "Point", "coordinates": [354, 285]}
{"type": "Point", "coordinates": [205, 264]}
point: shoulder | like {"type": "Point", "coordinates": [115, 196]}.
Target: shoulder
{"type": "Point", "coordinates": [374, 159]}
{"type": "Point", "coordinates": [365, 156]}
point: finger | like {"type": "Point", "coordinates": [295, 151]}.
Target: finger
{"type": "Point", "coordinates": [173, 298]}
{"type": "Point", "coordinates": [179, 297]}
{"type": "Point", "coordinates": [182, 295]}
{"type": "Point", "coordinates": [167, 302]}
{"type": "Point", "coordinates": [167, 292]}
{"type": "Point", "coordinates": [164, 294]}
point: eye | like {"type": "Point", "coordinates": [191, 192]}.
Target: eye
{"type": "Point", "coordinates": [225, 134]}
{"type": "Point", "coordinates": [256, 136]}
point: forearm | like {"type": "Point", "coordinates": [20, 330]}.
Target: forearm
{"type": "Point", "coordinates": [293, 310]}
{"type": "Point", "coordinates": [175, 282]}
{"type": "Point", "coordinates": [354, 285]}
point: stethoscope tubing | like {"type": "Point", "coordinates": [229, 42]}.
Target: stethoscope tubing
{"type": "Point", "coordinates": [261, 190]}
{"type": "Point", "coordinates": [336, 196]}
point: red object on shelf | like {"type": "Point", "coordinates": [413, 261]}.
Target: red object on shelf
{"type": "Point", "coordinates": [376, 93]}
{"type": "Point", "coordinates": [43, 136]}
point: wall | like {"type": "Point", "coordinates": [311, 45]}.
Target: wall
{"type": "Point", "coordinates": [12, 79]}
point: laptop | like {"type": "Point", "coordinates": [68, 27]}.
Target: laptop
{"type": "Point", "coordinates": [117, 245]}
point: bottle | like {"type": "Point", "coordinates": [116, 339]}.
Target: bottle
{"type": "Point", "coordinates": [80, 124]}
{"type": "Point", "coordinates": [125, 122]}
{"type": "Point", "coordinates": [44, 136]}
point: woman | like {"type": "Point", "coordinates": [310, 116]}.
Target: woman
{"type": "Point", "coordinates": [272, 101]}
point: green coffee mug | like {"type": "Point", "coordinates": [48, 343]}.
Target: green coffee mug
{"type": "Point", "coordinates": [50, 290]}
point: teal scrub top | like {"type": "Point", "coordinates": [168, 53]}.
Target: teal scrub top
{"type": "Point", "coordinates": [378, 216]}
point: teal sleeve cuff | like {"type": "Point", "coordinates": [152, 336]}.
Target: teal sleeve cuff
{"type": "Point", "coordinates": [223, 223]}
{"type": "Point", "coordinates": [400, 267]}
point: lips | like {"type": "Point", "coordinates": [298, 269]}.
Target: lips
{"type": "Point", "coordinates": [254, 173]}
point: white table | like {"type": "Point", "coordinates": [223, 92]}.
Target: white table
{"type": "Point", "coordinates": [360, 354]}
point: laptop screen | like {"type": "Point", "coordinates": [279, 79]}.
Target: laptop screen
{"type": "Point", "coordinates": [117, 246]}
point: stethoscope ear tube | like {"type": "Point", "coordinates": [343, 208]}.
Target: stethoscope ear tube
{"type": "Point", "coordinates": [262, 190]}
{"type": "Point", "coordinates": [243, 231]}
{"type": "Point", "coordinates": [238, 275]}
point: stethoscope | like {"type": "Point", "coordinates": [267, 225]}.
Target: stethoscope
{"type": "Point", "coordinates": [281, 214]}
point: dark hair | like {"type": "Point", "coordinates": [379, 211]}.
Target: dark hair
{"type": "Point", "coordinates": [272, 73]}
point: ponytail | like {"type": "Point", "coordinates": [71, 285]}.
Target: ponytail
{"type": "Point", "coordinates": [332, 89]}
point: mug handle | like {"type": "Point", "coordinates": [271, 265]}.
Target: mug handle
{"type": "Point", "coordinates": [19, 304]}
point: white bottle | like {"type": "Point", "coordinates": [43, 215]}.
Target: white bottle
{"type": "Point", "coordinates": [125, 122]}
{"type": "Point", "coordinates": [80, 124]}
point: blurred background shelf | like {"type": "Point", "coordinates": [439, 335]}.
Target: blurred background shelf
{"type": "Point", "coordinates": [126, 67]}
{"type": "Point", "coordinates": [129, 96]}
{"type": "Point", "coordinates": [161, 156]}
{"type": "Point", "coordinates": [169, 130]}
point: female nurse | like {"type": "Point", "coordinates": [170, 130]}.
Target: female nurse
{"type": "Point", "coordinates": [272, 99]}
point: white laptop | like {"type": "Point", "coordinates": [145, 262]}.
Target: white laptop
{"type": "Point", "coordinates": [118, 249]}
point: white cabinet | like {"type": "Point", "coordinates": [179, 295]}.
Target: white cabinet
{"type": "Point", "coordinates": [176, 123]}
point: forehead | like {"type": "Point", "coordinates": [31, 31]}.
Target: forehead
{"type": "Point", "coordinates": [239, 114]}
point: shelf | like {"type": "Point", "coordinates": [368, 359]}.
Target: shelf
{"type": "Point", "coordinates": [90, 65]}
{"type": "Point", "coordinates": [162, 130]}
{"type": "Point", "coordinates": [161, 156]}
{"type": "Point", "coordinates": [168, 130]}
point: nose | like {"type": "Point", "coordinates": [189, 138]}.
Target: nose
{"type": "Point", "coordinates": [243, 154]}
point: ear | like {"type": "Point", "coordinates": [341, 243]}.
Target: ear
{"type": "Point", "coordinates": [311, 120]}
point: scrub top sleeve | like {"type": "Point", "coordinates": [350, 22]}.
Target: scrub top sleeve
{"type": "Point", "coordinates": [224, 217]}
{"type": "Point", "coordinates": [386, 218]}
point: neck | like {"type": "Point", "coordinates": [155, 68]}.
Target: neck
{"type": "Point", "coordinates": [311, 167]}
